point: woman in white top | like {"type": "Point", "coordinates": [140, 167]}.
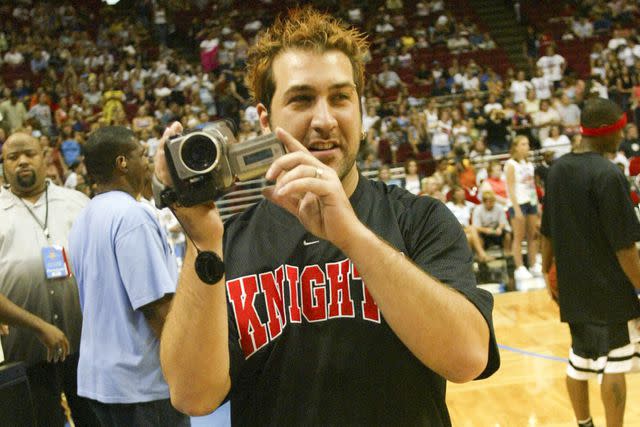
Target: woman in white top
{"type": "Point", "coordinates": [523, 206]}
{"type": "Point", "coordinates": [411, 178]}
{"type": "Point", "coordinates": [557, 142]}
{"type": "Point", "coordinates": [462, 209]}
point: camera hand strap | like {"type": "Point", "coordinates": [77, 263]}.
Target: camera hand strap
{"type": "Point", "coordinates": [209, 267]}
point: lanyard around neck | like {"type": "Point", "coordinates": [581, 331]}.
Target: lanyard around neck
{"type": "Point", "coordinates": [44, 226]}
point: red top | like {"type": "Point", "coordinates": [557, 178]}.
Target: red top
{"type": "Point", "coordinates": [499, 186]}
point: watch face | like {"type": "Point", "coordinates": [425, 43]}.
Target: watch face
{"type": "Point", "coordinates": [209, 267]}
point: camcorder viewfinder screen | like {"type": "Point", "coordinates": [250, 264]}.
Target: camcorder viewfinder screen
{"type": "Point", "coordinates": [256, 157]}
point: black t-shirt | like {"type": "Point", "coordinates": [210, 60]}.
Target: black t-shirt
{"type": "Point", "coordinates": [589, 216]}
{"type": "Point", "coordinates": [326, 356]}
{"type": "Point", "coordinates": [497, 132]}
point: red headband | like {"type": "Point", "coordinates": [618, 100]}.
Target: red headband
{"type": "Point", "coordinates": [603, 130]}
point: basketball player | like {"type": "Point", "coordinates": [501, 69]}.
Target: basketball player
{"type": "Point", "coordinates": [590, 227]}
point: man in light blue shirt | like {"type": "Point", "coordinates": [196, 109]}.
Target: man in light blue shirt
{"type": "Point", "coordinates": [126, 278]}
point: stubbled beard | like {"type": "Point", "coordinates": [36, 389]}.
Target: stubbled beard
{"type": "Point", "coordinates": [26, 181]}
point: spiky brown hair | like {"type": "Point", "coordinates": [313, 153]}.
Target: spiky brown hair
{"type": "Point", "coordinates": [302, 28]}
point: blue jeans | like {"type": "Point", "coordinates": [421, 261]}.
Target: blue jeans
{"type": "Point", "coordinates": [157, 413]}
{"type": "Point", "coordinates": [438, 151]}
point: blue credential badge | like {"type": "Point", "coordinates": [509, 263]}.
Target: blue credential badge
{"type": "Point", "coordinates": [55, 262]}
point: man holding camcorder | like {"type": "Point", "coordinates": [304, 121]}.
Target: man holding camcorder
{"type": "Point", "coordinates": [340, 300]}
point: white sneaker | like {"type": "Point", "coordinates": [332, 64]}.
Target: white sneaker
{"type": "Point", "coordinates": [521, 273]}
{"type": "Point", "coordinates": [536, 270]}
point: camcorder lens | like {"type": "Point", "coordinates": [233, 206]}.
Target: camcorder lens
{"type": "Point", "coordinates": [199, 153]}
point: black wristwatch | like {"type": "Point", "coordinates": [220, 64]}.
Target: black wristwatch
{"type": "Point", "coordinates": [209, 267]}
{"type": "Point", "coordinates": [162, 195]}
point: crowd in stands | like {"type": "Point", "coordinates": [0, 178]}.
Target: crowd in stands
{"type": "Point", "coordinates": [441, 97]}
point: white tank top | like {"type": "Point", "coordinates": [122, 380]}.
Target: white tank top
{"type": "Point", "coordinates": [525, 182]}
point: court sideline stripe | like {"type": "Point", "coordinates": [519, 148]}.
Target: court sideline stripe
{"type": "Point", "coordinates": [532, 354]}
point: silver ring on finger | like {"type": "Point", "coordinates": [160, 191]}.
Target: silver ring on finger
{"type": "Point", "coordinates": [319, 173]}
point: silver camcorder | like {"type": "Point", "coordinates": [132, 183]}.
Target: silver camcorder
{"type": "Point", "coordinates": [204, 164]}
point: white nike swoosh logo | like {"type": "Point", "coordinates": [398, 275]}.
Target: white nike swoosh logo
{"type": "Point", "coordinates": [304, 242]}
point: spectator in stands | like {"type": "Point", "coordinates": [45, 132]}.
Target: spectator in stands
{"type": "Point", "coordinates": [462, 209]}
{"type": "Point", "coordinates": [569, 114]}
{"type": "Point", "coordinates": [93, 95]}
{"type": "Point", "coordinates": [630, 145]}
{"type": "Point", "coordinates": [590, 230]}
{"type": "Point", "coordinates": [355, 14]}
{"type": "Point", "coordinates": [37, 215]}
{"type": "Point", "coordinates": [470, 80]}
{"type": "Point", "coordinates": [582, 27]}
{"type": "Point", "coordinates": [531, 45]}
{"type": "Point", "coordinates": [388, 78]}
{"type": "Point", "coordinates": [431, 188]}
{"type": "Point", "coordinates": [370, 118]}
{"type": "Point", "coordinates": [458, 43]}
{"type": "Point", "coordinates": [522, 124]}
{"type": "Point", "coordinates": [405, 59]}
{"type": "Point", "coordinates": [625, 53]}
{"type": "Point", "coordinates": [143, 120]}
{"type": "Point", "coordinates": [598, 68]}
{"type": "Point", "coordinates": [161, 27]}
{"type": "Point", "coordinates": [39, 61]}
{"type": "Point", "coordinates": [496, 183]}
{"type": "Point", "coordinates": [13, 112]}
{"type": "Point", "coordinates": [246, 131]}
{"type": "Point", "coordinates": [492, 104]}
{"type": "Point", "coordinates": [13, 57]}
{"type": "Point", "coordinates": [617, 39]}
{"type": "Point", "coordinates": [70, 147]}
{"type": "Point", "coordinates": [369, 161]}
{"type": "Point", "coordinates": [557, 142]}
{"type": "Point", "coordinates": [479, 149]}
{"type": "Point", "coordinates": [422, 75]}
{"type": "Point", "coordinates": [441, 137]}
{"type": "Point", "coordinates": [542, 84]}
{"type": "Point", "coordinates": [422, 8]}
{"type": "Point", "coordinates": [523, 207]}
{"type": "Point", "coordinates": [72, 180]}
{"type": "Point", "coordinates": [384, 175]}
{"type": "Point", "coordinates": [417, 134]}
{"type": "Point", "coordinates": [498, 134]}
{"type": "Point", "coordinates": [532, 103]}
{"type": "Point", "coordinates": [487, 42]}
{"type": "Point", "coordinates": [552, 65]}
{"type": "Point", "coordinates": [624, 84]}
{"type": "Point", "coordinates": [61, 114]}
{"type": "Point", "coordinates": [112, 101]}
{"type": "Point", "coordinates": [544, 119]}
{"type": "Point", "coordinates": [490, 220]}
{"type": "Point", "coordinates": [41, 112]}
{"type": "Point", "coordinates": [384, 26]}
{"type": "Point", "coordinates": [22, 89]}
{"type": "Point", "coordinates": [412, 179]}
{"type": "Point", "coordinates": [520, 87]}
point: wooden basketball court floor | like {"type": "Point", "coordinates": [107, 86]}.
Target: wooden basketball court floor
{"type": "Point", "coordinates": [529, 389]}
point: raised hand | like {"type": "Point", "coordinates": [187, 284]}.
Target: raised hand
{"type": "Point", "coordinates": [312, 191]}
{"type": "Point", "coordinates": [201, 222]}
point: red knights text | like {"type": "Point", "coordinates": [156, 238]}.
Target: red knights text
{"type": "Point", "coordinates": [289, 294]}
